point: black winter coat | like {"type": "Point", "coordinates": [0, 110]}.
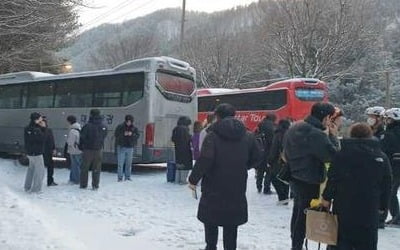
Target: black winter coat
{"type": "Point", "coordinates": [228, 152]}
{"type": "Point", "coordinates": [266, 130]}
{"type": "Point", "coordinates": [379, 133]}
{"type": "Point", "coordinates": [93, 134]}
{"type": "Point", "coordinates": [391, 146]}
{"type": "Point", "coordinates": [274, 157]}
{"type": "Point", "coordinates": [183, 150]}
{"type": "Point", "coordinates": [124, 140]}
{"type": "Point", "coordinates": [306, 149]}
{"type": "Point", "coordinates": [359, 182]}
{"type": "Point", "coordinates": [34, 139]}
{"type": "Point", "coordinates": [49, 147]}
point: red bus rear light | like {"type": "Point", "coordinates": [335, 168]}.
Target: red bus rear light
{"type": "Point", "coordinates": [149, 134]}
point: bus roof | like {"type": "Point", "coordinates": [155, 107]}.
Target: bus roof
{"type": "Point", "coordinates": [275, 85]}
{"type": "Point", "coordinates": [138, 65]}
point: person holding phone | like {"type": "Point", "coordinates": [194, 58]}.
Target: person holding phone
{"type": "Point", "coordinates": [34, 138]}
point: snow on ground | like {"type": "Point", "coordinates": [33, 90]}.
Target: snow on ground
{"type": "Point", "coordinates": [147, 213]}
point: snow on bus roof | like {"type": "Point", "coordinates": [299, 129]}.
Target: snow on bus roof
{"type": "Point", "coordinates": [215, 91]}
{"type": "Point", "coordinates": [137, 65]}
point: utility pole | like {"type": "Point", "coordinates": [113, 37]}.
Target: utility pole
{"type": "Point", "coordinates": [388, 95]}
{"type": "Point", "coordinates": [182, 27]}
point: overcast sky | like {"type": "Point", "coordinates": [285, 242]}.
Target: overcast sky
{"type": "Point", "coordinates": [108, 11]}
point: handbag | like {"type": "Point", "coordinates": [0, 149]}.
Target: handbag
{"type": "Point", "coordinates": [322, 227]}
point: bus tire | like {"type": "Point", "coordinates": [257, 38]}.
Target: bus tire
{"type": "Point", "coordinates": [23, 160]}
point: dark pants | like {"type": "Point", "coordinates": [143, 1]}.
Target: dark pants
{"type": "Point", "coordinates": [91, 159]}
{"type": "Point", "coordinates": [264, 175]}
{"type": "Point", "coordinates": [49, 164]}
{"type": "Point", "coordinates": [281, 188]}
{"type": "Point", "coordinates": [303, 194]}
{"type": "Point", "coordinates": [394, 202]}
{"type": "Point", "coordinates": [230, 237]}
{"type": "Point", "coordinates": [357, 239]}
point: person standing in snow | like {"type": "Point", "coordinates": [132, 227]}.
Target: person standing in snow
{"type": "Point", "coordinates": [34, 139]}
{"type": "Point", "coordinates": [126, 137]}
{"type": "Point", "coordinates": [182, 139]}
{"type": "Point", "coordinates": [359, 185]}
{"type": "Point", "coordinates": [91, 143]}
{"type": "Point", "coordinates": [228, 152]}
{"type": "Point", "coordinates": [307, 148]}
{"type": "Point", "coordinates": [277, 163]}
{"type": "Point", "coordinates": [73, 151]}
{"type": "Point", "coordinates": [391, 146]}
{"type": "Point", "coordinates": [49, 152]}
{"type": "Point", "coordinates": [265, 135]}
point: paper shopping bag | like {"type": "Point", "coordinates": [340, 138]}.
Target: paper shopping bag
{"type": "Point", "coordinates": [322, 227]}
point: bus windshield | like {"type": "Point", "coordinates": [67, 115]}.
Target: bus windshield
{"type": "Point", "coordinates": [175, 87]}
{"type": "Point", "coordinates": [310, 94]}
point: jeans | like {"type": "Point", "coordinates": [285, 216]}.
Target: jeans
{"type": "Point", "coordinates": [76, 162]}
{"type": "Point", "coordinates": [35, 174]}
{"type": "Point", "coordinates": [230, 237]}
{"type": "Point", "coordinates": [125, 157]}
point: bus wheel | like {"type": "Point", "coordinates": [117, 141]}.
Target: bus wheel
{"type": "Point", "coordinates": [23, 160]}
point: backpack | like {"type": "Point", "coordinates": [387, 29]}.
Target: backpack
{"type": "Point", "coordinates": [261, 141]}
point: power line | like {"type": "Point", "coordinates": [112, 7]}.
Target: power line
{"type": "Point", "coordinates": [108, 13]}
{"type": "Point", "coordinates": [137, 8]}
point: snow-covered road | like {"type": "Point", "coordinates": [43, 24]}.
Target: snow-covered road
{"type": "Point", "coordinates": [147, 213]}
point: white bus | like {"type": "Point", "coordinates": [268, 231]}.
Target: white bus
{"type": "Point", "coordinates": [156, 91]}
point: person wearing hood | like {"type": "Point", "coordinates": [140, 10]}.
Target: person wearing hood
{"type": "Point", "coordinates": [74, 153]}
{"type": "Point", "coordinates": [228, 152]}
{"type": "Point", "coordinates": [182, 139]}
{"type": "Point", "coordinates": [91, 143]}
{"type": "Point", "coordinates": [391, 146]}
{"type": "Point", "coordinates": [183, 149]}
{"type": "Point", "coordinates": [306, 149]}
{"type": "Point", "coordinates": [359, 186]}
{"type": "Point", "coordinates": [49, 152]}
{"type": "Point", "coordinates": [34, 139]}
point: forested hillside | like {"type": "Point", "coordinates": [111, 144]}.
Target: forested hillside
{"type": "Point", "coordinates": [352, 44]}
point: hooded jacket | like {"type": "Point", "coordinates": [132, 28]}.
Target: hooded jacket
{"type": "Point", "coordinates": [391, 146]}
{"type": "Point", "coordinates": [274, 156]}
{"type": "Point", "coordinates": [34, 139]}
{"type": "Point", "coordinates": [228, 152]}
{"type": "Point", "coordinates": [183, 149]}
{"type": "Point", "coordinates": [93, 134]}
{"type": "Point", "coordinates": [307, 148]}
{"type": "Point", "coordinates": [73, 139]}
{"type": "Point", "coordinates": [266, 131]}
{"type": "Point", "coordinates": [359, 182]}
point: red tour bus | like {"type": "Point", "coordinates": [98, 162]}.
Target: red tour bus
{"type": "Point", "coordinates": [291, 98]}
